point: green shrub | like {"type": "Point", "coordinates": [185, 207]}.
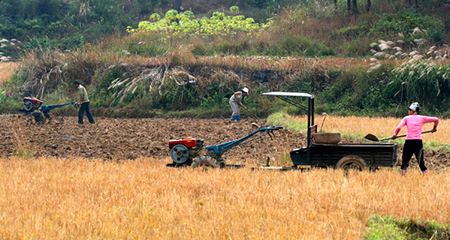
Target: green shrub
{"type": "Point", "coordinates": [405, 21]}
{"type": "Point", "coordinates": [301, 46]}
{"type": "Point", "coordinates": [350, 33]}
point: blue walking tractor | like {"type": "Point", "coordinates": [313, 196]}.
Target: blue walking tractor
{"type": "Point", "coordinates": [34, 108]}
{"type": "Point", "coordinates": [186, 152]}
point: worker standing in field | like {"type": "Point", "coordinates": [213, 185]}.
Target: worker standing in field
{"type": "Point", "coordinates": [83, 103]}
{"type": "Point", "coordinates": [413, 142]}
{"type": "Point", "coordinates": [234, 101]}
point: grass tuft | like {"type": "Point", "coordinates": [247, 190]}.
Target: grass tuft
{"type": "Point", "coordinates": [385, 227]}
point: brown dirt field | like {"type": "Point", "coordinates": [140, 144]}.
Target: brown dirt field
{"type": "Point", "coordinates": [121, 139]}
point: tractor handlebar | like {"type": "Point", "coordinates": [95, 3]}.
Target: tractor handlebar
{"type": "Point", "coordinates": [270, 130]}
{"type": "Point", "coordinates": [222, 148]}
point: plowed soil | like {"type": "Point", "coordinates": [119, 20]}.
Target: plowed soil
{"type": "Point", "coordinates": [123, 139]}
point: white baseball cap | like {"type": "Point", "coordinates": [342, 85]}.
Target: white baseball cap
{"type": "Point", "coordinates": [245, 90]}
{"type": "Point", "coordinates": [414, 106]}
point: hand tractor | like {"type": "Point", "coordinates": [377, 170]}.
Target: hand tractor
{"type": "Point", "coordinates": [186, 152]}
{"type": "Point", "coordinates": [34, 108]}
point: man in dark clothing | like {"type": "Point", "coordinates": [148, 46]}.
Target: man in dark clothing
{"type": "Point", "coordinates": [83, 103]}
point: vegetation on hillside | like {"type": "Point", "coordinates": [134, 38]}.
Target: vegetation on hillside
{"type": "Point", "coordinates": [183, 82]}
{"type": "Point", "coordinates": [302, 28]}
{"type": "Point", "coordinates": [163, 64]}
{"type": "Point", "coordinates": [68, 24]}
{"type": "Point", "coordinates": [311, 29]}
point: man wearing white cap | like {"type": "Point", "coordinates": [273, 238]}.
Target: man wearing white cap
{"type": "Point", "coordinates": [234, 101]}
{"type": "Point", "coordinates": [413, 142]}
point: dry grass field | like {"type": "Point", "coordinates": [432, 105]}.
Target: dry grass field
{"type": "Point", "coordinates": [7, 69]}
{"type": "Point", "coordinates": [380, 127]}
{"type": "Point", "coordinates": [51, 198]}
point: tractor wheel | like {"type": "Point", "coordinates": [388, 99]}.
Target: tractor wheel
{"type": "Point", "coordinates": [351, 163]}
{"type": "Point", "coordinates": [180, 154]}
{"type": "Point", "coordinates": [39, 117]}
{"type": "Point", "coordinates": [204, 162]}
{"type": "Point", "coordinates": [28, 106]}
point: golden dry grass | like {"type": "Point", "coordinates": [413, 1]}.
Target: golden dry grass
{"type": "Point", "coordinates": [7, 69]}
{"type": "Point", "coordinates": [380, 127]}
{"type": "Point", "coordinates": [82, 199]}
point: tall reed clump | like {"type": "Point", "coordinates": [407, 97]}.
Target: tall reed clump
{"type": "Point", "coordinates": [423, 81]}
{"type": "Point", "coordinates": [11, 50]}
{"type": "Point", "coordinates": [166, 87]}
{"type": "Point", "coordinates": [46, 72]}
{"type": "Point", "coordinates": [40, 73]}
{"type": "Point", "coordinates": [424, 75]}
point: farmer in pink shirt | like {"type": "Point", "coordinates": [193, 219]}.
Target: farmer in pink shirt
{"type": "Point", "coordinates": [413, 142]}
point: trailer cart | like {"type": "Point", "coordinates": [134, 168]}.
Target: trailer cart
{"type": "Point", "coordinates": [333, 154]}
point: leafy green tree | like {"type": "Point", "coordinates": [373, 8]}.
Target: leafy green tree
{"type": "Point", "coordinates": [219, 24]}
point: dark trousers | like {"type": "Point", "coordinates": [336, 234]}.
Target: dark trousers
{"type": "Point", "coordinates": [85, 107]}
{"type": "Point", "coordinates": [413, 147]}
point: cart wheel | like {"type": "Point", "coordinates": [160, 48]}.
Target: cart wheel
{"type": "Point", "coordinates": [204, 162]}
{"type": "Point", "coordinates": [352, 163]}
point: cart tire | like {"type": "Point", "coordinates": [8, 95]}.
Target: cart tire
{"type": "Point", "coordinates": [204, 162]}
{"type": "Point", "coordinates": [352, 163]}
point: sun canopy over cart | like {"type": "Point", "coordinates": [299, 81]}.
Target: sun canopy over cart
{"type": "Point", "coordinates": [287, 97]}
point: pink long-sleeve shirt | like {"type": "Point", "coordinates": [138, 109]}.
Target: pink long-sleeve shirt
{"type": "Point", "coordinates": [414, 125]}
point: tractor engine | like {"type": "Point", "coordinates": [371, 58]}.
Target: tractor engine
{"type": "Point", "coordinates": [183, 151]}
{"type": "Point", "coordinates": [31, 104]}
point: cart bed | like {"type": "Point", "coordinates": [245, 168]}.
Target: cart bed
{"type": "Point", "coordinates": [375, 154]}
